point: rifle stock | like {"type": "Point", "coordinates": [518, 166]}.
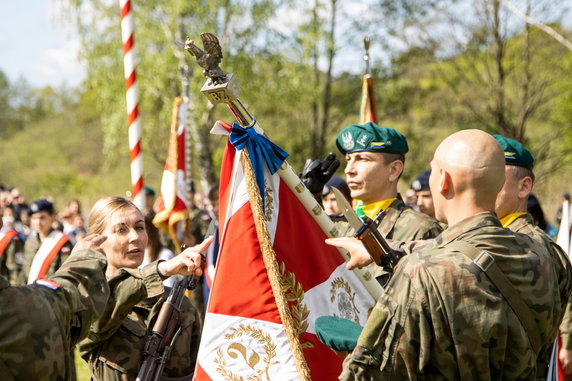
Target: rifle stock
{"type": "Point", "coordinates": [158, 346]}
{"type": "Point", "coordinates": [377, 247]}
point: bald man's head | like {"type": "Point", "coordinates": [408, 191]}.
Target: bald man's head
{"type": "Point", "coordinates": [467, 165]}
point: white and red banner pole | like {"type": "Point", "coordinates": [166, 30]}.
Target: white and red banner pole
{"type": "Point", "coordinates": [132, 97]}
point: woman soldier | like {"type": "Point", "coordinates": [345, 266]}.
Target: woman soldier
{"type": "Point", "coordinates": [114, 346]}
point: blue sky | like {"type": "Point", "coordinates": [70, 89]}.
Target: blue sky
{"type": "Point", "coordinates": [37, 46]}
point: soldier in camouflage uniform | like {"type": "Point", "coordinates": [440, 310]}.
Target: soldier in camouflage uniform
{"type": "Point", "coordinates": [375, 159]}
{"type": "Point", "coordinates": [114, 346]}
{"type": "Point", "coordinates": [511, 208]}
{"type": "Point", "coordinates": [42, 322]}
{"type": "Point", "coordinates": [443, 316]}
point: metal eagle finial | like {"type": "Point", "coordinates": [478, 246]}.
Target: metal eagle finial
{"type": "Point", "coordinates": [210, 58]}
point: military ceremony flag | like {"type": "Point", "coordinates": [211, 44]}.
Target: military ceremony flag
{"type": "Point", "coordinates": [555, 371]}
{"type": "Point", "coordinates": [173, 200]}
{"type": "Point", "coordinates": [275, 275]}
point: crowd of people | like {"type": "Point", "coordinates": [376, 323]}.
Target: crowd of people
{"type": "Point", "coordinates": [481, 293]}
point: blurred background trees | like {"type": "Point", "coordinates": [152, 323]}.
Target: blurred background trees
{"type": "Point", "coordinates": [438, 66]}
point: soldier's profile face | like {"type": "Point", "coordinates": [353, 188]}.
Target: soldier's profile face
{"type": "Point", "coordinates": [507, 201]}
{"type": "Point", "coordinates": [367, 176]}
{"type": "Point", "coordinates": [41, 222]}
{"type": "Point", "coordinates": [126, 239]}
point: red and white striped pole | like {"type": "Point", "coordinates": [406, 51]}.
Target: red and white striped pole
{"type": "Point", "coordinates": [132, 96]}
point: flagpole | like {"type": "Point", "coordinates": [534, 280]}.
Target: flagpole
{"type": "Point", "coordinates": [226, 90]}
{"type": "Point", "coordinates": [368, 112]}
{"type": "Point", "coordinates": [186, 74]}
{"type": "Point", "coordinates": [132, 98]}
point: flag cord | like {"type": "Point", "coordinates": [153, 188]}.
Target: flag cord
{"type": "Point", "coordinates": [269, 257]}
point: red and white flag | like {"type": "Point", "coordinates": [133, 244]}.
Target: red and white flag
{"type": "Point", "coordinates": [173, 201]}
{"type": "Point", "coordinates": [275, 275]}
{"type": "Point", "coordinates": [368, 109]}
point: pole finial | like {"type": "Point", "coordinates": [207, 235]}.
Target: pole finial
{"type": "Point", "coordinates": [366, 42]}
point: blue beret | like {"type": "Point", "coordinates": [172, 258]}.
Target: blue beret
{"type": "Point", "coordinates": [337, 182]}
{"type": "Point", "coordinates": [421, 182]}
{"type": "Point", "coordinates": [41, 205]}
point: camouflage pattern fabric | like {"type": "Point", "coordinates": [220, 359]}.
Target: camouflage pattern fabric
{"type": "Point", "coordinates": [525, 225]}
{"type": "Point", "coordinates": [400, 224]}
{"type": "Point", "coordinates": [32, 246]}
{"type": "Point", "coordinates": [40, 326]}
{"type": "Point", "coordinates": [441, 318]}
{"type": "Point", "coordinates": [114, 346]}
{"type": "Point", "coordinates": [12, 261]}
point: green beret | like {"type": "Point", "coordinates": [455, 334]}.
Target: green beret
{"type": "Point", "coordinates": [371, 137]}
{"type": "Point", "coordinates": [515, 153]}
{"type": "Point", "coordinates": [337, 333]}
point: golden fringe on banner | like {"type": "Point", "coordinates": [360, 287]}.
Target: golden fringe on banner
{"type": "Point", "coordinates": [269, 257]}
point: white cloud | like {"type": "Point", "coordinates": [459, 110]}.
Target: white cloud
{"type": "Point", "coordinates": [60, 64]}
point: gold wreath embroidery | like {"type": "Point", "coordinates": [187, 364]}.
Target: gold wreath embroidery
{"type": "Point", "coordinates": [235, 349]}
{"type": "Point", "coordinates": [341, 283]}
{"type": "Point", "coordinates": [268, 202]}
{"type": "Point", "coordinates": [294, 293]}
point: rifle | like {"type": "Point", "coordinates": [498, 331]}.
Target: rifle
{"type": "Point", "coordinates": [366, 231]}
{"type": "Point", "coordinates": [166, 329]}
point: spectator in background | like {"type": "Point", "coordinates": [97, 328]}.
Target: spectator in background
{"type": "Point", "coordinates": [535, 209]}
{"type": "Point", "coordinates": [25, 220]}
{"type": "Point", "coordinates": [18, 201]}
{"type": "Point", "coordinates": [45, 249]}
{"type": "Point", "coordinates": [328, 197]}
{"type": "Point", "coordinates": [423, 193]}
{"type": "Point", "coordinates": [11, 247]}
{"type": "Point", "coordinates": [565, 197]}
{"type": "Point", "coordinates": [149, 210]}
{"type": "Point", "coordinates": [74, 206]}
{"type": "Point", "coordinates": [411, 199]}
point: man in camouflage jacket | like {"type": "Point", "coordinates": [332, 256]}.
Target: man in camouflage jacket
{"type": "Point", "coordinates": [375, 159]}
{"type": "Point", "coordinates": [441, 316]}
{"type": "Point", "coordinates": [42, 322]}
{"type": "Point", "coordinates": [511, 209]}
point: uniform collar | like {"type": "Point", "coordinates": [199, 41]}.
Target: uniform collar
{"type": "Point", "coordinates": [373, 208]}
{"type": "Point", "coordinates": [466, 225]}
{"type": "Point", "coordinates": [510, 218]}
{"type": "Point", "coordinates": [522, 220]}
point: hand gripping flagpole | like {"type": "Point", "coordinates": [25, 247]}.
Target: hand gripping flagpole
{"type": "Point", "coordinates": [224, 88]}
{"type": "Point", "coordinates": [132, 97]}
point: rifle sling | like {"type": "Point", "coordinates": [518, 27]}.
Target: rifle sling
{"type": "Point", "coordinates": [485, 262]}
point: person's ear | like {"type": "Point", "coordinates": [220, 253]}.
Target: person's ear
{"type": "Point", "coordinates": [524, 187]}
{"type": "Point", "coordinates": [395, 170]}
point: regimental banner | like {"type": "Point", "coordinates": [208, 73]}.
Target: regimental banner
{"type": "Point", "coordinates": [173, 203]}
{"type": "Point", "coordinates": [275, 275]}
